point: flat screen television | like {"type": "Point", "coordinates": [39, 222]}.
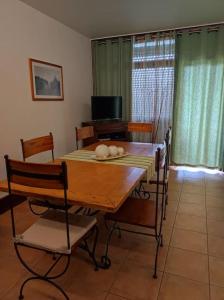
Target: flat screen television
{"type": "Point", "coordinates": [106, 107]}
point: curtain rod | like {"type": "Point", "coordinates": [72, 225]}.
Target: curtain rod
{"type": "Point", "coordinates": [157, 31]}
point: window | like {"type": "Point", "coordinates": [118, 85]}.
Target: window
{"type": "Point", "coordinates": [152, 80]}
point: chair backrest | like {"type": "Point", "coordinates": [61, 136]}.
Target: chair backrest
{"type": "Point", "coordinates": [36, 175]}
{"type": "Point", "coordinates": [169, 139]}
{"type": "Point", "coordinates": [83, 133]}
{"type": "Point", "coordinates": [142, 127]}
{"type": "Point", "coordinates": [168, 146]}
{"type": "Point", "coordinates": [160, 164]}
{"type": "Point", "coordinates": [160, 158]}
{"type": "Point", "coordinates": [170, 135]}
{"type": "Point", "coordinates": [37, 145]}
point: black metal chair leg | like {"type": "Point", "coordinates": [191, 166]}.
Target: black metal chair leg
{"type": "Point", "coordinates": [92, 252]}
{"type": "Point", "coordinates": [164, 214]}
{"type": "Point", "coordinates": [119, 232]}
{"type": "Point", "coordinates": [146, 195]}
{"type": "Point", "coordinates": [141, 193]}
{"type": "Point", "coordinates": [106, 225]}
{"type": "Point", "coordinates": [94, 248]}
{"type": "Point", "coordinates": [156, 258]}
{"type": "Point", "coordinates": [43, 279]}
{"type": "Point", "coordinates": [161, 241]}
{"type": "Point", "coordinates": [105, 260]}
{"type": "Point", "coordinates": [166, 201]}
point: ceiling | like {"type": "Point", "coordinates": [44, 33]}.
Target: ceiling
{"type": "Point", "coordinates": [101, 18]}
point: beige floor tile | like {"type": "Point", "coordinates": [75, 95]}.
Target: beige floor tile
{"type": "Point", "coordinates": [192, 198]}
{"type": "Point", "coordinates": [141, 237]}
{"type": "Point", "coordinates": [215, 201]}
{"type": "Point", "coordinates": [144, 253]}
{"type": "Point", "coordinates": [23, 219]}
{"type": "Point", "coordinates": [176, 182]}
{"type": "Point", "coordinates": [86, 293]}
{"type": "Point", "coordinates": [135, 282]}
{"type": "Point", "coordinates": [11, 271]}
{"type": "Point", "coordinates": [214, 185]}
{"type": "Point", "coordinates": [214, 177]}
{"type": "Point", "coordinates": [114, 297]}
{"type": "Point", "coordinates": [214, 213]}
{"type": "Point", "coordinates": [176, 175]}
{"type": "Point", "coordinates": [127, 240]}
{"type": "Point", "coordinates": [216, 246]}
{"type": "Point", "coordinates": [174, 172]}
{"type": "Point", "coordinates": [81, 276]}
{"type": "Point", "coordinates": [130, 276]}
{"type": "Point", "coordinates": [6, 246]}
{"type": "Point", "coordinates": [188, 222]}
{"type": "Point", "coordinates": [194, 189]}
{"type": "Point", "coordinates": [197, 184]}
{"type": "Point", "coordinates": [35, 290]}
{"type": "Point", "coordinates": [173, 196]}
{"type": "Point", "coordinates": [192, 209]}
{"type": "Point", "coordinates": [216, 269]}
{"type": "Point", "coordinates": [174, 187]}
{"type": "Point", "coordinates": [167, 233]}
{"type": "Point", "coordinates": [191, 265]}
{"type": "Point", "coordinates": [118, 247]}
{"type": "Point", "coordinates": [40, 290]}
{"type": "Point", "coordinates": [215, 228]}
{"type": "Point", "coordinates": [189, 240]}
{"type": "Point", "coordinates": [175, 179]}
{"type": "Point", "coordinates": [170, 219]}
{"type": "Point", "coordinates": [7, 250]}
{"type": "Point", "coordinates": [172, 205]}
{"type": "Point", "coordinates": [176, 287]}
{"type": "Point", "coordinates": [194, 181]}
{"type": "Point", "coordinates": [217, 293]}
{"type": "Point", "coordinates": [218, 193]}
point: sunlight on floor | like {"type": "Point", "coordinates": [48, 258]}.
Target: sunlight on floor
{"type": "Point", "coordinates": [197, 169]}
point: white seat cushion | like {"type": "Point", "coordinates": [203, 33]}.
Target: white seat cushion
{"type": "Point", "coordinates": [49, 232]}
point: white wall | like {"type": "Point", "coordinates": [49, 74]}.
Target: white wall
{"type": "Point", "coordinates": [26, 33]}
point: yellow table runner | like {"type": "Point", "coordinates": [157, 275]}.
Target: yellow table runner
{"type": "Point", "coordinates": [138, 161]}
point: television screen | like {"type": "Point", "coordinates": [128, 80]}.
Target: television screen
{"type": "Point", "coordinates": [106, 107]}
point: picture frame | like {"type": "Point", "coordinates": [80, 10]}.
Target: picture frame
{"type": "Point", "coordinates": [46, 81]}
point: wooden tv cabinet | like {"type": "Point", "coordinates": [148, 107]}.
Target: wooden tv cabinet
{"type": "Point", "coordinates": [107, 130]}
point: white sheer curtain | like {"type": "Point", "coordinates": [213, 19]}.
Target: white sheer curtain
{"type": "Point", "coordinates": [153, 82]}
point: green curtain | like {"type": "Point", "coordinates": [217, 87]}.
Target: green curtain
{"type": "Point", "coordinates": [198, 124]}
{"type": "Point", "coordinates": [112, 70]}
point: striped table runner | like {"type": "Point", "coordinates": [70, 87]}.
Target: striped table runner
{"type": "Point", "coordinates": [145, 162]}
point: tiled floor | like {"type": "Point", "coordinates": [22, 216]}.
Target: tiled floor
{"type": "Point", "coordinates": [191, 263]}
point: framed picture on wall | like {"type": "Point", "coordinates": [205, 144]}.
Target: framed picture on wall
{"type": "Point", "coordinates": [46, 80]}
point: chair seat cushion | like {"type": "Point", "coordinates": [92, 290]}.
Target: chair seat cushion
{"type": "Point", "coordinates": [135, 211]}
{"type": "Point", "coordinates": [49, 232]}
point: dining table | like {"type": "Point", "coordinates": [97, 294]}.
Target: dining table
{"type": "Point", "coordinates": [95, 184]}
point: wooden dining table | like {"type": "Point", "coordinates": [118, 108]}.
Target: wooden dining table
{"type": "Point", "coordinates": [95, 185]}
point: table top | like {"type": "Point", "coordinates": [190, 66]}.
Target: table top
{"type": "Point", "coordinates": [100, 186]}
{"type": "Point", "coordinates": [146, 149]}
